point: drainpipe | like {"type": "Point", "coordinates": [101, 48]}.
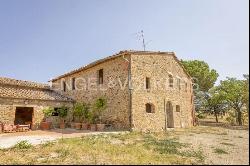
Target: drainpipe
{"type": "Point", "coordinates": [130, 92]}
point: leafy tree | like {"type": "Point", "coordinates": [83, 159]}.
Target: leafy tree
{"type": "Point", "coordinates": [200, 71]}
{"type": "Point", "coordinates": [234, 90]}
{"type": "Point", "coordinates": [216, 102]}
{"type": "Point", "coordinates": [204, 79]}
{"type": "Point", "coordinates": [246, 91]}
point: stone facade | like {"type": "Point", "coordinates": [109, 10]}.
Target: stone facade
{"type": "Point", "coordinates": [16, 93]}
{"type": "Point", "coordinates": [8, 109]}
{"type": "Point", "coordinates": [127, 100]}
{"type": "Point", "coordinates": [114, 89]}
{"type": "Point", "coordinates": [157, 68]}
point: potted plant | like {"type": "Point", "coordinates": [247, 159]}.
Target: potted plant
{"type": "Point", "coordinates": [92, 120]}
{"type": "Point", "coordinates": [62, 113]}
{"type": "Point", "coordinates": [99, 107]}
{"type": "Point", "coordinates": [78, 113]}
{"type": "Point", "coordinates": [45, 124]}
{"type": "Point", "coordinates": [85, 116]}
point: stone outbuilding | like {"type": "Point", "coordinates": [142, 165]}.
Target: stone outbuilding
{"type": "Point", "coordinates": [22, 102]}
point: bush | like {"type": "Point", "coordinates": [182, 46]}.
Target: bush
{"type": "Point", "coordinates": [48, 111]}
{"type": "Point", "coordinates": [62, 111]}
{"type": "Point", "coordinates": [81, 110]}
{"type": "Point", "coordinates": [23, 145]}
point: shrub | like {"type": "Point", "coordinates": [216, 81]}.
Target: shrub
{"type": "Point", "coordinates": [98, 107]}
{"type": "Point", "coordinates": [62, 111]}
{"type": "Point", "coordinates": [23, 145]}
{"type": "Point", "coordinates": [81, 110]}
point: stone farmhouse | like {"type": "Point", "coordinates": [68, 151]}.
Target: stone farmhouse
{"type": "Point", "coordinates": [145, 90]}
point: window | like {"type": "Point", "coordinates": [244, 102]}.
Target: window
{"type": "Point", "coordinates": [149, 108]}
{"type": "Point", "coordinates": [64, 86]}
{"type": "Point", "coordinates": [171, 81]}
{"type": "Point", "coordinates": [179, 83]}
{"type": "Point", "coordinates": [147, 83]}
{"type": "Point", "coordinates": [178, 109]}
{"type": "Point", "coordinates": [73, 83]}
{"type": "Point", "coordinates": [100, 76]}
{"type": "Point", "coordinates": [55, 112]}
{"type": "Point", "coordinates": [186, 87]}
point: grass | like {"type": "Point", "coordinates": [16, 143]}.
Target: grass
{"type": "Point", "coordinates": [22, 145]}
{"type": "Point", "coordinates": [220, 151]}
{"type": "Point", "coordinates": [228, 144]}
{"type": "Point", "coordinates": [130, 148]}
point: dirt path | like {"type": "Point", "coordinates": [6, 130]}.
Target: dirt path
{"type": "Point", "coordinates": [220, 146]}
{"type": "Point", "coordinates": [36, 137]}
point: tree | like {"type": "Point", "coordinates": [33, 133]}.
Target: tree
{"type": "Point", "coordinates": [200, 71]}
{"type": "Point", "coordinates": [246, 91]}
{"type": "Point", "coordinates": [234, 90]}
{"type": "Point", "coordinates": [216, 102]}
{"type": "Point", "coordinates": [204, 79]}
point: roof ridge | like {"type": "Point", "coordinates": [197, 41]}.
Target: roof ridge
{"type": "Point", "coordinates": [109, 58]}
{"type": "Point", "coordinates": [25, 83]}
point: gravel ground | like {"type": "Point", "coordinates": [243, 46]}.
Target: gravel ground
{"type": "Point", "coordinates": [8, 140]}
{"type": "Point", "coordinates": [234, 142]}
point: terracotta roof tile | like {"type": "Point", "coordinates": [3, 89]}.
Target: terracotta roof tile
{"type": "Point", "coordinates": [10, 88]}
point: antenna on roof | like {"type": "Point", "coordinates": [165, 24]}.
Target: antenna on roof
{"type": "Point", "coordinates": [140, 36]}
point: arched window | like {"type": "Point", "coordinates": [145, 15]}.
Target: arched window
{"type": "Point", "coordinates": [171, 81]}
{"type": "Point", "coordinates": [150, 108]}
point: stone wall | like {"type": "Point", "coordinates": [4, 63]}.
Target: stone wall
{"type": "Point", "coordinates": [158, 68]}
{"type": "Point", "coordinates": [114, 89]}
{"type": "Point", "coordinates": [8, 108]}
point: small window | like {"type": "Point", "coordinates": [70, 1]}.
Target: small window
{"type": "Point", "coordinates": [64, 86]}
{"type": "Point", "coordinates": [178, 108]}
{"type": "Point", "coordinates": [147, 83]}
{"type": "Point", "coordinates": [186, 87]}
{"type": "Point", "coordinates": [73, 83]}
{"type": "Point", "coordinates": [100, 76]}
{"type": "Point", "coordinates": [149, 108]}
{"type": "Point", "coordinates": [171, 81]}
{"type": "Point", "coordinates": [179, 83]}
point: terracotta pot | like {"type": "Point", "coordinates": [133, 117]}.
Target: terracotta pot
{"type": "Point", "coordinates": [1, 127]}
{"type": "Point", "coordinates": [100, 127]}
{"type": "Point", "coordinates": [62, 125]}
{"type": "Point", "coordinates": [93, 127]}
{"type": "Point", "coordinates": [45, 125]}
{"type": "Point", "coordinates": [78, 126]}
{"type": "Point", "coordinates": [84, 126]}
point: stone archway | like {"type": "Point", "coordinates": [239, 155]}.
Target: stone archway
{"type": "Point", "coordinates": [170, 115]}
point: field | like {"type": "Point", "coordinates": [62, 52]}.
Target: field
{"type": "Point", "coordinates": [197, 145]}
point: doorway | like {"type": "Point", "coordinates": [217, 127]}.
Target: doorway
{"type": "Point", "coordinates": [170, 115]}
{"type": "Point", "coordinates": [24, 116]}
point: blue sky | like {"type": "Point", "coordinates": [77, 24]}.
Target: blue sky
{"type": "Point", "coordinates": [42, 39]}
